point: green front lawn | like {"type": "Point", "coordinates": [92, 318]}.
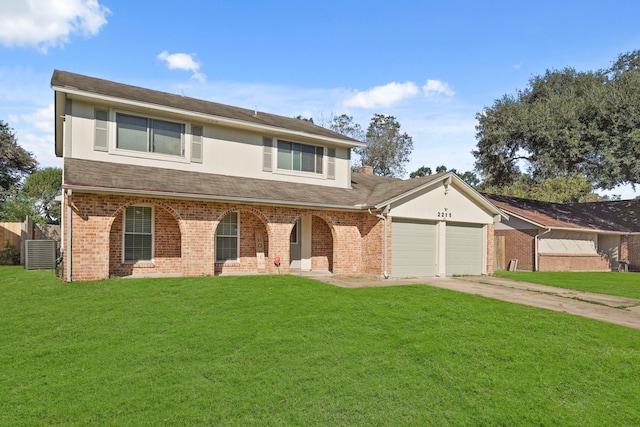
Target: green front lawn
{"type": "Point", "coordinates": [283, 350]}
{"type": "Point", "coordinates": [608, 283]}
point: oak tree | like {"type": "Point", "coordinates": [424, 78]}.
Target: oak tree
{"type": "Point", "coordinates": [565, 123]}
{"type": "Point", "coordinates": [15, 161]}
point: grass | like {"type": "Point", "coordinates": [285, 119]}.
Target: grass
{"type": "Point", "coordinates": [608, 283]}
{"type": "Point", "coordinates": [283, 350]}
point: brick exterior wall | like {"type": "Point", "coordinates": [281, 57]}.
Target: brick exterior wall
{"type": "Point", "coordinates": [630, 250]}
{"type": "Point", "coordinates": [184, 233]}
{"type": "Point", "coordinates": [251, 223]}
{"type": "Point", "coordinates": [321, 245]}
{"type": "Point", "coordinates": [491, 251]}
{"type": "Point", "coordinates": [167, 245]}
{"type": "Point", "coordinates": [372, 230]}
{"type": "Point", "coordinates": [520, 245]}
{"type": "Point", "coordinates": [345, 243]}
{"type": "Point", "coordinates": [569, 262]}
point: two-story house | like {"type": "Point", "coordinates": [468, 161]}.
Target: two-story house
{"type": "Point", "coordinates": [158, 184]}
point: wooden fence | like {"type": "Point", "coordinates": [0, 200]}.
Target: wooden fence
{"type": "Point", "coordinates": [16, 233]}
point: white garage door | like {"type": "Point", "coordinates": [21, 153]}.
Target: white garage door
{"type": "Point", "coordinates": [413, 249]}
{"type": "Point", "coordinates": [464, 249]}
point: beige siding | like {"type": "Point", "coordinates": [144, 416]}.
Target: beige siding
{"type": "Point", "coordinates": [226, 151]}
{"type": "Point", "coordinates": [513, 223]}
{"type": "Point", "coordinates": [568, 242]}
{"type": "Point", "coordinates": [609, 244]}
{"type": "Point", "coordinates": [438, 204]}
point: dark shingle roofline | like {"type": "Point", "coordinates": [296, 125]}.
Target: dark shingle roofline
{"type": "Point", "coordinates": [66, 82]}
{"type": "Point", "coordinates": [614, 217]}
{"type": "Point", "coordinates": [368, 191]}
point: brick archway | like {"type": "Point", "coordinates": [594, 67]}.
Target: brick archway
{"type": "Point", "coordinates": [321, 246]}
{"type": "Point", "coordinates": [254, 236]}
{"type": "Point", "coordinates": [167, 242]}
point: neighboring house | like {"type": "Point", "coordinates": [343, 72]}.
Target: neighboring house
{"type": "Point", "coordinates": [545, 236]}
{"type": "Point", "coordinates": [157, 184]}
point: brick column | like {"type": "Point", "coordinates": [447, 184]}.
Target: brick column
{"type": "Point", "coordinates": [279, 233]}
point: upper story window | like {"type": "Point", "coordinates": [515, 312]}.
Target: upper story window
{"type": "Point", "coordinates": [149, 135]}
{"type": "Point", "coordinates": [300, 157]}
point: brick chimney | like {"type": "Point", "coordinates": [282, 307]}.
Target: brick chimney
{"type": "Point", "coordinates": [366, 170]}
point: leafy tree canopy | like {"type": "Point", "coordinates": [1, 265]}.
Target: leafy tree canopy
{"type": "Point", "coordinates": [344, 124]}
{"type": "Point", "coordinates": [469, 177]}
{"type": "Point", "coordinates": [300, 117]}
{"type": "Point", "coordinates": [35, 198]}
{"type": "Point", "coordinates": [566, 123]}
{"type": "Point", "coordinates": [387, 149]}
{"type": "Point", "coordinates": [43, 186]}
{"type": "Point", "coordinates": [421, 171]}
{"type": "Point", "coordinates": [15, 161]}
{"type": "Point", "coordinates": [566, 189]}
{"type": "Point", "coordinates": [16, 207]}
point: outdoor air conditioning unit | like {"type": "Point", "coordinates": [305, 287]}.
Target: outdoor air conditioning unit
{"type": "Point", "coordinates": [40, 254]}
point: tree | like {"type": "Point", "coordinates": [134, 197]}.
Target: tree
{"type": "Point", "coordinates": [420, 172]}
{"type": "Point", "coordinates": [387, 149]}
{"type": "Point", "coordinates": [15, 161]}
{"type": "Point", "coordinates": [43, 186]}
{"type": "Point", "coordinates": [300, 117]}
{"type": "Point", "coordinates": [35, 198]}
{"type": "Point", "coordinates": [566, 189]}
{"type": "Point", "coordinates": [565, 123]}
{"type": "Point", "coordinates": [16, 207]}
{"type": "Point", "coordinates": [469, 177]}
{"type": "Point", "coordinates": [442, 169]}
{"type": "Point", "coordinates": [344, 125]}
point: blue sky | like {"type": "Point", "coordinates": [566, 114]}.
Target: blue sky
{"type": "Point", "coordinates": [432, 65]}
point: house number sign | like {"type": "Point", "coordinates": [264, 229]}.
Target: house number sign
{"type": "Point", "coordinates": [444, 213]}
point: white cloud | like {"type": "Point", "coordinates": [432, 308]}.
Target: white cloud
{"type": "Point", "coordinates": [183, 61]}
{"type": "Point", "coordinates": [41, 119]}
{"type": "Point", "coordinates": [382, 96]}
{"type": "Point", "coordinates": [436, 87]}
{"type": "Point", "coordinates": [40, 145]}
{"type": "Point", "coordinates": [49, 23]}
{"type": "Point", "coordinates": [34, 132]}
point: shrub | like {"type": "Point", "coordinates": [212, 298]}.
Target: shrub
{"type": "Point", "coordinates": [10, 255]}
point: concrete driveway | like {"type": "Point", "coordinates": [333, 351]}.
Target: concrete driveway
{"type": "Point", "coordinates": [606, 308]}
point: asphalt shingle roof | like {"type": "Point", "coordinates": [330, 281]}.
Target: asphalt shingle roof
{"type": "Point", "coordinates": [72, 81]}
{"type": "Point", "coordinates": [367, 190]}
{"type": "Point", "coordinates": [616, 216]}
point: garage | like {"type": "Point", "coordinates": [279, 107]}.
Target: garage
{"type": "Point", "coordinates": [413, 248]}
{"type": "Point", "coordinates": [464, 249]}
{"type": "Point", "coordinates": [442, 228]}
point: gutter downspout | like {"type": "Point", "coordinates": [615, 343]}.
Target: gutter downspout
{"type": "Point", "coordinates": [383, 217]}
{"type": "Point", "coordinates": [535, 259]}
{"type": "Point", "coordinates": [67, 256]}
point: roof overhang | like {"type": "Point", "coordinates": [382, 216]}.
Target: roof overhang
{"type": "Point", "coordinates": [60, 102]}
{"type": "Point", "coordinates": [64, 91]}
{"type": "Point", "coordinates": [196, 196]}
{"type": "Point", "coordinates": [576, 229]}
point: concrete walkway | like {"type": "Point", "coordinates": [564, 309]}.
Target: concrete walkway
{"type": "Point", "coordinates": [606, 308]}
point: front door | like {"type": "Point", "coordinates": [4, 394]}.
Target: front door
{"type": "Point", "coordinates": [300, 244]}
